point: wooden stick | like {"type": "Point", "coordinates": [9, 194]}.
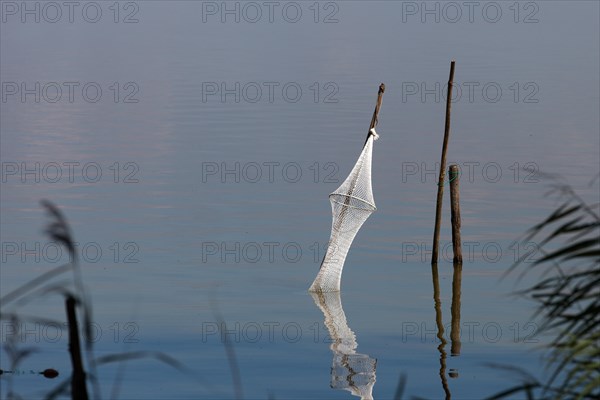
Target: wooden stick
{"type": "Point", "coordinates": [374, 119]}
{"type": "Point", "coordinates": [78, 387]}
{"type": "Point", "coordinates": [440, 191]}
{"type": "Point", "coordinates": [455, 212]}
{"type": "Point", "coordinates": [453, 175]}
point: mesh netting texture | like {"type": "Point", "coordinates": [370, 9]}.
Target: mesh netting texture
{"type": "Point", "coordinates": [350, 370]}
{"type": "Point", "coordinates": [351, 204]}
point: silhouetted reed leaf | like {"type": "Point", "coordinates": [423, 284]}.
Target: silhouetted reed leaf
{"type": "Point", "coordinates": [585, 254]}
{"type": "Point", "coordinates": [584, 244]}
{"type": "Point", "coordinates": [32, 284]}
{"type": "Point", "coordinates": [568, 298]}
{"type": "Point", "coordinates": [400, 387]}
{"type": "Point", "coordinates": [135, 355]}
{"type": "Point", "coordinates": [558, 214]}
{"type": "Point", "coordinates": [33, 319]}
{"type": "Point", "coordinates": [55, 288]}
{"type": "Point", "coordinates": [61, 389]}
{"type": "Point", "coordinates": [59, 229]}
{"type": "Point", "coordinates": [526, 388]}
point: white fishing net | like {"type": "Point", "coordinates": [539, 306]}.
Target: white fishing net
{"type": "Point", "coordinates": [350, 370]}
{"type": "Point", "coordinates": [351, 205]}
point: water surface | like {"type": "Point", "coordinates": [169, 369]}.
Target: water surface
{"type": "Point", "coordinates": [207, 200]}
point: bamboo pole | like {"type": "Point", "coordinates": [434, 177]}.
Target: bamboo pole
{"type": "Point", "coordinates": [453, 175]}
{"type": "Point", "coordinates": [440, 191]}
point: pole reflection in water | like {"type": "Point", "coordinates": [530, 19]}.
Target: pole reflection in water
{"type": "Point", "coordinates": [455, 325]}
{"type": "Point", "coordinates": [350, 371]}
{"type": "Point", "coordinates": [455, 330]}
{"type": "Point", "coordinates": [440, 329]}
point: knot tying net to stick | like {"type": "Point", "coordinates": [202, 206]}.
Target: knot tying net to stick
{"type": "Point", "coordinates": [351, 204]}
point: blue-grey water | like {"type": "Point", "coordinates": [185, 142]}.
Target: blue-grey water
{"type": "Point", "coordinates": [192, 146]}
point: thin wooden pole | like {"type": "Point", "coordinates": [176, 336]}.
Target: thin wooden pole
{"type": "Point", "coordinates": [374, 119]}
{"type": "Point", "coordinates": [78, 387]}
{"type": "Point", "coordinates": [440, 191]}
{"type": "Point", "coordinates": [453, 176]}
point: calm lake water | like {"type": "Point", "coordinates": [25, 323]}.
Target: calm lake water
{"type": "Point", "coordinates": [193, 155]}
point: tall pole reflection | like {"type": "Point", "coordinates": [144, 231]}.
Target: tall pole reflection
{"type": "Point", "coordinates": [440, 328]}
{"type": "Point", "coordinates": [455, 346]}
